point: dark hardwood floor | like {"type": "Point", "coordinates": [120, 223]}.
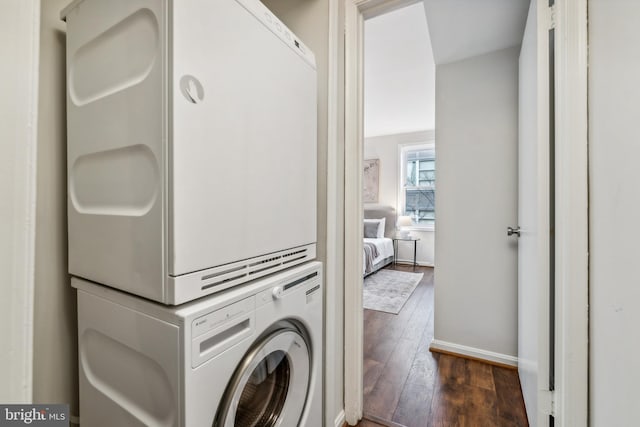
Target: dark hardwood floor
{"type": "Point", "coordinates": [407, 385]}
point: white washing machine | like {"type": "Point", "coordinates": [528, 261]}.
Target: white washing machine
{"type": "Point", "coordinates": [248, 356]}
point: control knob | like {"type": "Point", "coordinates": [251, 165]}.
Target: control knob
{"type": "Point", "coordinates": [277, 292]}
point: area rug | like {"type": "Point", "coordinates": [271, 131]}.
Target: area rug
{"type": "Point", "coordinates": [389, 290]}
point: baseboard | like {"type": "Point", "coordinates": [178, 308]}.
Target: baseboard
{"type": "Point", "coordinates": [499, 359]}
{"type": "Point", "coordinates": [340, 420]}
{"type": "Point", "coordinates": [418, 263]}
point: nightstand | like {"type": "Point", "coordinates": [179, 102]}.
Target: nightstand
{"type": "Point", "coordinates": [397, 239]}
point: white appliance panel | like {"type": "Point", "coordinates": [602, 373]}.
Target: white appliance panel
{"type": "Point", "coordinates": [177, 192]}
{"type": "Point", "coordinates": [127, 364]}
{"type": "Point", "coordinates": [116, 138]}
{"type": "Point", "coordinates": [244, 157]}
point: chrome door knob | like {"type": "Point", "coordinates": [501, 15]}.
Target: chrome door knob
{"type": "Point", "coordinates": [513, 230]}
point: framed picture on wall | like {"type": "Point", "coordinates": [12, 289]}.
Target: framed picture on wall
{"type": "Point", "coordinates": [371, 180]}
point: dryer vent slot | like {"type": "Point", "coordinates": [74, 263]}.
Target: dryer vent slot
{"type": "Point", "coordinates": [223, 272]}
{"type": "Point", "coordinates": [225, 276]}
{"type": "Point", "coordinates": [224, 336]}
{"type": "Point", "coordinates": [260, 270]}
{"type": "Point", "coordinates": [264, 261]}
{"type": "Point", "coordinates": [294, 253]}
{"type": "Point", "coordinates": [223, 281]}
{"type": "Point", "coordinates": [294, 256]}
{"type": "Point", "coordinates": [289, 261]}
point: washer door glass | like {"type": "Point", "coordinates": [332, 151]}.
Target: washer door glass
{"type": "Point", "coordinates": [269, 388]}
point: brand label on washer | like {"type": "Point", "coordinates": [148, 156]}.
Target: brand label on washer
{"type": "Point", "coordinates": [219, 317]}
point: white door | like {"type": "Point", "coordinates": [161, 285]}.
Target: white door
{"type": "Point", "coordinates": [534, 213]}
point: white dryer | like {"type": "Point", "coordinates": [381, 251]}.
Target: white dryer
{"type": "Point", "coordinates": [249, 356]}
{"type": "Point", "coordinates": [191, 150]}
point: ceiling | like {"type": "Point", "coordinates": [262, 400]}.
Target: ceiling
{"type": "Point", "coordinates": [402, 48]}
{"type": "Point", "coordinates": [462, 29]}
{"type": "Point", "coordinates": [399, 73]}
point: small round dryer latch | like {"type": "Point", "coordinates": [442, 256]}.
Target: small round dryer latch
{"type": "Point", "coordinates": [191, 89]}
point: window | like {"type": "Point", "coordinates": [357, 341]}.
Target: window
{"type": "Point", "coordinates": [418, 184]}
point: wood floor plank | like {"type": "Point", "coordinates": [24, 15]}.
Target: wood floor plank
{"type": "Point", "coordinates": [424, 367]}
{"type": "Point", "coordinates": [480, 407]}
{"type": "Point", "coordinates": [452, 371]}
{"type": "Point", "coordinates": [509, 396]}
{"type": "Point", "coordinates": [413, 406]}
{"type": "Point", "coordinates": [368, 423]}
{"type": "Point", "coordinates": [392, 380]}
{"type": "Point", "coordinates": [372, 371]}
{"type": "Point", "coordinates": [382, 401]}
{"type": "Point", "coordinates": [480, 375]}
{"type": "Point", "coordinates": [420, 316]}
{"type": "Point", "coordinates": [377, 343]}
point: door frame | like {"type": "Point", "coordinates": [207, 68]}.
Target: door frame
{"type": "Point", "coordinates": [572, 226]}
{"type": "Point", "coordinates": [570, 17]}
{"type": "Point", "coordinates": [18, 152]}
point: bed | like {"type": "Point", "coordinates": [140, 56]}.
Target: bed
{"type": "Point", "coordinates": [379, 227]}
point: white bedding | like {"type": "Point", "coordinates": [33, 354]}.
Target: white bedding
{"type": "Point", "coordinates": [385, 250]}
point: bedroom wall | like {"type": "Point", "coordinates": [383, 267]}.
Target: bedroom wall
{"type": "Point", "coordinates": [614, 294]}
{"type": "Point", "coordinates": [476, 273]}
{"type": "Point", "coordinates": [386, 149]}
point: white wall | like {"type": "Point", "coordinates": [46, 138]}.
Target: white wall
{"type": "Point", "coordinates": [19, 40]}
{"type": "Point", "coordinates": [399, 83]}
{"type": "Point", "coordinates": [614, 150]}
{"type": "Point", "coordinates": [476, 148]}
{"type": "Point", "coordinates": [55, 366]}
{"type": "Point", "coordinates": [387, 150]}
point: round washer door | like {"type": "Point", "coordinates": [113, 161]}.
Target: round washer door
{"type": "Point", "coordinates": [269, 387]}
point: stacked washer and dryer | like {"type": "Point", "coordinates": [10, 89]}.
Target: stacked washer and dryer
{"type": "Point", "coordinates": [192, 215]}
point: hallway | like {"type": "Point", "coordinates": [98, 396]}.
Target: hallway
{"type": "Point", "coordinates": [407, 385]}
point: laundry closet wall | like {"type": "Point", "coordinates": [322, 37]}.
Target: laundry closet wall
{"type": "Point", "coordinates": [55, 360]}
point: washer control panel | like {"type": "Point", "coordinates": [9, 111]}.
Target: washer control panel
{"type": "Point", "coordinates": [309, 282]}
{"type": "Point", "coordinates": [219, 317]}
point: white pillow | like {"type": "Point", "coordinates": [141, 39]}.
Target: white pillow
{"type": "Point", "coordinates": [379, 231]}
